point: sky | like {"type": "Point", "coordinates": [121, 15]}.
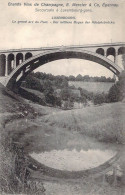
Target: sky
{"type": "Point", "coordinates": [14, 35]}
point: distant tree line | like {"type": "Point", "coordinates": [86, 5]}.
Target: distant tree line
{"type": "Point", "coordinates": [79, 77]}
{"type": "Point", "coordinates": [88, 78]}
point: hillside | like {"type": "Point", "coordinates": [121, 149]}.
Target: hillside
{"type": "Point", "coordinates": [106, 122]}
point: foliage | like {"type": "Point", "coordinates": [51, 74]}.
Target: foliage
{"type": "Point", "coordinates": [13, 168]}
{"type": "Point", "coordinates": [88, 78]}
{"type": "Point", "coordinates": [65, 94]}
{"type": "Point", "coordinates": [117, 91]}
{"type": "Point", "coordinates": [48, 84]}
{"type": "Point", "coordinates": [86, 94]}
{"type": "Point", "coordinates": [59, 78]}
{"type": "Point", "coordinates": [32, 83]}
{"type": "Point", "coordinates": [99, 98]}
{"type": "Point", "coordinates": [68, 105]}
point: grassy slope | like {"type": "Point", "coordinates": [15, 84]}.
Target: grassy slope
{"type": "Point", "coordinates": [62, 129]}
{"type": "Point", "coordinates": [106, 122]}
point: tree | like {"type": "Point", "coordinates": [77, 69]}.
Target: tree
{"type": "Point", "coordinates": [58, 101]}
{"type": "Point", "coordinates": [65, 94]}
{"type": "Point", "coordinates": [32, 83]}
{"type": "Point", "coordinates": [79, 77]}
{"type": "Point", "coordinates": [64, 83]}
{"type": "Point", "coordinates": [86, 78]}
{"type": "Point", "coordinates": [117, 91]}
{"type": "Point", "coordinates": [83, 100]}
{"type": "Point", "coordinates": [71, 78]}
{"type": "Point", "coordinates": [49, 92]}
{"type": "Point", "coordinates": [114, 94]}
{"type": "Point", "coordinates": [99, 99]}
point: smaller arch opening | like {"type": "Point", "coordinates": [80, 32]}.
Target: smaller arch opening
{"type": "Point", "coordinates": [28, 55]}
{"type": "Point", "coordinates": [10, 63]}
{"type": "Point", "coordinates": [111, 54]}
{"type": "Point", "coordinates": [121, 56]}
{"type": "Point", "coordinates": [2, 64]}
{"type": "Point", "coordinates": [19, 59]}
{"type": "Point", "coordinates": [100, 51]}
{"type": "Point", "coordinates": [121, 51]}
{"type": "Point", "coordinates": [111, 51]}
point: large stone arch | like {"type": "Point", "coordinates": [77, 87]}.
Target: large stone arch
{"type": "Point", "coordinates": [31, 64]}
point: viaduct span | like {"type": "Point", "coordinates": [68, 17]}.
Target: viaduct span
{"type": "Point", "coordinates": [16, 64]}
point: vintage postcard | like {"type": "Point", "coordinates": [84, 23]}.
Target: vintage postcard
{"type": "Point", "coordinates": [62, 97]}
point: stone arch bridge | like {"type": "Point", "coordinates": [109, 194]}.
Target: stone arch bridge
{"type": "Point", "coordinates": [16, 64]}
